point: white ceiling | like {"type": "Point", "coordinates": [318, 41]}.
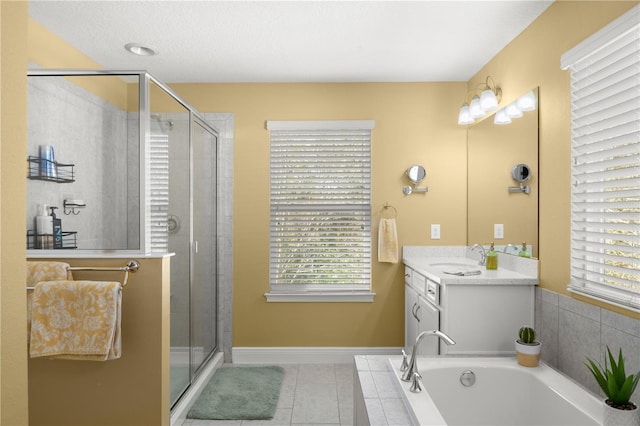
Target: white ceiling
{"type": "Point", "coordinates": [292, 41]}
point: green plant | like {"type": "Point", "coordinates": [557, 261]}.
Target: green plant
{"type": "Point", "coordinates": [527, 335]}
{"type": "Point", "coordinates": [614, 382]}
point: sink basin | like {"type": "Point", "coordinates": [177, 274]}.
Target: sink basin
{"type": "Point", "coordinates": [454, 265]}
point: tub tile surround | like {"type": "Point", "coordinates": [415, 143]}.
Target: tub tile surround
{"type": "Point", "coordinates": [383, 403]}
{"type": "Point", "coordinates": [571, 330]}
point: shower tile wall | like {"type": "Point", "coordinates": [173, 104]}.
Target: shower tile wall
{"type": "Point", "coordinates": [91, 133]}
{"type": "Point", "coordinates": [571, 330]}
{"type": "Point", "coordinates": [224, 122]}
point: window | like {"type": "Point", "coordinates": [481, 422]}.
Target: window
{"type": "Point", "coordinates": [320, 236]}
{"type": "Point", "coordinates": [605, 151]}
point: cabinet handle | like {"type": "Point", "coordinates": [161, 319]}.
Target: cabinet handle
{"type": "Point", "coordinates": [413, 310]}
{"type": "Point", "coordinates": [407, 275]}
{"type": "Point", "coordinates": [417, 312]}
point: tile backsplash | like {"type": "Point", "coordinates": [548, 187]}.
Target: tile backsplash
{"type": "Point", "coordinates": [571, 330]}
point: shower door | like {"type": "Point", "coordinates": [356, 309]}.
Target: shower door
{"type": "Point", "coordinates": [204, 273]}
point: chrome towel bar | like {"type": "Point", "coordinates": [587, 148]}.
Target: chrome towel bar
{"type": "Point", "coordinates": [132, 266]}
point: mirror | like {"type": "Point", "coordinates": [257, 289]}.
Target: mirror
{"type": "Point", "coordinates": [521, 173]}
{"type": "Point", "coordinates": [492, 151]}
{"type": "Point", "coordinates": [416, 174]}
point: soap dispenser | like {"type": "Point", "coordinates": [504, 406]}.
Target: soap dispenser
{"type": "Point", "coordinates": [44, 229]}
{"type": "Point", "coordinates": [492, 258]}
{"type": "Point", "coordinates": [524, 252]}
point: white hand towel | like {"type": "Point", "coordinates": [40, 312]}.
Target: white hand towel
{"type": "Point", "coordinates": [387, 241]}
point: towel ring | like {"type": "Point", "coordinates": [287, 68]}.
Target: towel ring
{"type": "Point", "coordinates": [386, 208]}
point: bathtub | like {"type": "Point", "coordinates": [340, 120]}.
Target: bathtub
{"type": "Point", "coordinates": [504, 393]}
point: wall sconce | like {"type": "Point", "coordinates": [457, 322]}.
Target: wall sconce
{"type": "Point", "coordinates": [526, 102]}
{"type": "Point", "coordinates": [477, 106]}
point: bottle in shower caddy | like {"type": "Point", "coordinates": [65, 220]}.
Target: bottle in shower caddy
{"type": "Point", "coordinates": [492, 258]}
{"type": "Point", "coordinates": [44, 229]}
{"type": "Point", "coordinates": [48, 166]}
{"type": "Point", "coordinates": [524, 252]}
{"type": "Point", "coordinates": [57, 229]}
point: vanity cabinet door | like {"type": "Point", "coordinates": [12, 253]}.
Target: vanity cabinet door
{"type": "Point", "coordinates": [429, 319]}
{"type": "Point", "coordinates": [410, 317]}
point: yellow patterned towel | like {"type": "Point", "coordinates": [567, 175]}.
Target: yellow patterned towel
{"type": "Point", "coordinates": [43, 271]}
{"type": "Point", "coordinates": [387, 241]}
{"type": "Point", "coordinates": [76, 320]}
{"type": "Point", "coordinates": [46, 271]}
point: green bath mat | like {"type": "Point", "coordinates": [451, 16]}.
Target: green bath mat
{"type": "Point", "coordinates": [240, 393]}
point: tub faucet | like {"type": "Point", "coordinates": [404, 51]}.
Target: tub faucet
{"type": "Point", "coordinates": [412, 372]}
{"type": "Point", "coordinates": [483, 253]}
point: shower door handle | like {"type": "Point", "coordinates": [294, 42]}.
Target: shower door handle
{"type": "Point", "coordinates": [195, 247]}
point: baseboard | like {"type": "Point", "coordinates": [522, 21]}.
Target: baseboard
{"type": "Point", "coordinates": [305, 355]}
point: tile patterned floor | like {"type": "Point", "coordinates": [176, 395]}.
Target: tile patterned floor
{"type": "Point", "coordinates": [312, 394]}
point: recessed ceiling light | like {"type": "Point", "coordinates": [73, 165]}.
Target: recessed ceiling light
{"type": "Point", "coordinates": [140, 50]}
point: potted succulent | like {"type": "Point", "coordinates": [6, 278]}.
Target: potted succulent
{"type": "Point", "coordinates": [618, 387]}
{"type": "Point", "coordinates": [527, 347]}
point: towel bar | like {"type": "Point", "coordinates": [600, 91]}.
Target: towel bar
{"type": "Point", "coordinates": [132, 266]}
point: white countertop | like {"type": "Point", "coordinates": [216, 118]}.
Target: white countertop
{"type": "Point", "coordinates": [434, 261]}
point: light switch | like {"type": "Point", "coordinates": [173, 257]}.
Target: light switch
{"type": "Point", "coordinates": [435, 231]}
{"type": "Point", "coordinates": [498, 231]}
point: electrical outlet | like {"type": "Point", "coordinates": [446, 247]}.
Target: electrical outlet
{"type": "Point", "coordinates": [498, 231]}
{"type": "Point", "coordinates": [435, 231]}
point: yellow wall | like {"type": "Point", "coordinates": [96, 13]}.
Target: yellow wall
{"type": "Point", "coordinates": [49, 51]}
{"type": "Point", "coordinates": [415, 123]}
{"type": "Point", "coordinates": [130, 391]}
{"type": "Point", "coordinates": [531, 60]}
{"type": "Point", "coordinates": [13, 154]}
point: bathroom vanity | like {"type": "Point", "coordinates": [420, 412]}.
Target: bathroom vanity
{"type": "Point", "coordinates": [481, 311]}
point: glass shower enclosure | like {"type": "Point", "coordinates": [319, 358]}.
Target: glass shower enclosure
{"type": "Point", "coordinates": [132, 156]}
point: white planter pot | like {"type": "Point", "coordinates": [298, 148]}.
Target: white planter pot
{"type": "Point", "coordinates": [615, 417]}
{"type": "Point", "coordinates": [528, 355]}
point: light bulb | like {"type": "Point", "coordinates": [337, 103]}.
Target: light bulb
{"type": "Point", "coordinates": [513, 111]}
{"type": "Point", "coordinates": [488, 100]}
{"type": "Point", "coordinates": [501, 117]}
{"type": "Point", "coordinates": [527, 102]}
{"type": "Point", "coordinates": [474, 108]}
{"type": "Point", "coordinates": [464, 117]}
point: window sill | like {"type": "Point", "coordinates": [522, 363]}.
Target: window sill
{"type": "Point", "coordinates": [320, 297]}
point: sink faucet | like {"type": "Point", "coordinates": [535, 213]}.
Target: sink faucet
{"type": "Point", "coordinates": [411, 373]}
{"type": "Point", "coordinates": [483, 254]}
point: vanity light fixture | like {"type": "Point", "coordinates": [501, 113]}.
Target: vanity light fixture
{"type": "Point", "coordinates": [478, 106]}
{"type": "Point", "coordinates": [526, 102]}
{"type": "Point", "coordinates": [140, 49]}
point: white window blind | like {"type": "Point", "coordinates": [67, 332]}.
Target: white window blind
{"type": "Point", "coordinates": [605, 150]}
{"type": "Point", "coordinates": [158, 193]}
{"type": "Point", "coordinates": [320, 226]}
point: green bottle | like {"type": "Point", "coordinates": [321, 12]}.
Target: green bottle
{"type": "Point", "coordinates": [492, 258]}
{"type": "Point", "coordinates": [524, 252]}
